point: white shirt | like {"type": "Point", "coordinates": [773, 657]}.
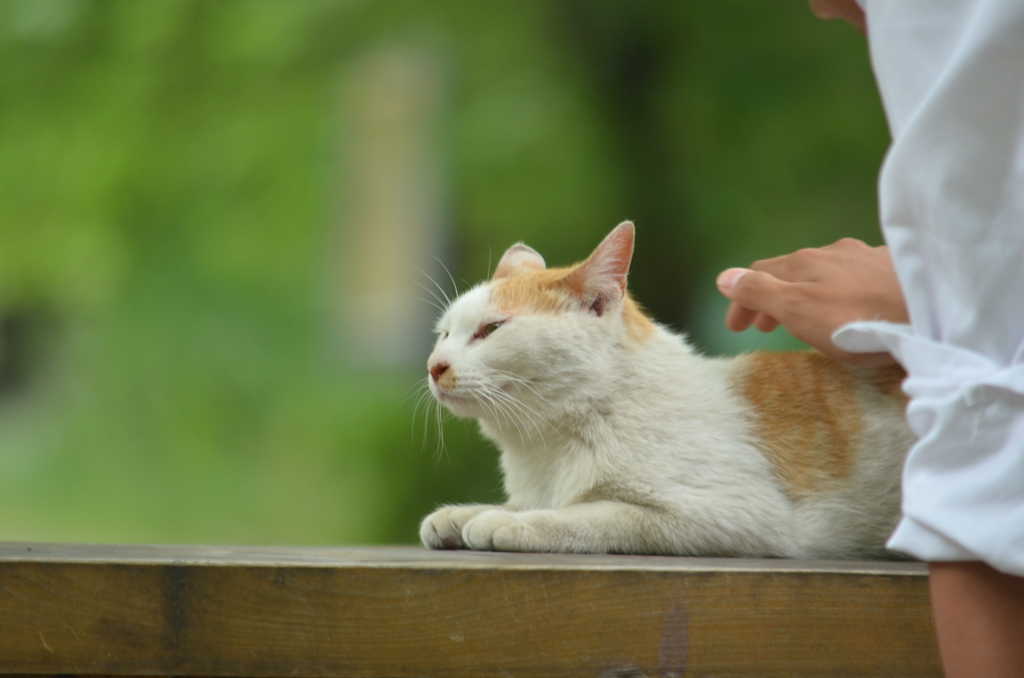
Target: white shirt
{"type": "Point", "coordinates": [951, 197]}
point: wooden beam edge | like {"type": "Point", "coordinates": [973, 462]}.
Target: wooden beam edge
{"type": "Point", "coordinates": [413, 557]}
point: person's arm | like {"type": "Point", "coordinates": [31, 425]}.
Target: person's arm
{"type": "Point", "coordinates": [814, 292]}
{"type": "Point", "coordinates": [979, 619]}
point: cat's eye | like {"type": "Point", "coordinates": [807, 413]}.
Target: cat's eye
{"type": "Point", "coordinates": [487, 330]}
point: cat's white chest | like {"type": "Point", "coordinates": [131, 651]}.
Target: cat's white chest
{"type": "Point", "coordinates": [543, 476]}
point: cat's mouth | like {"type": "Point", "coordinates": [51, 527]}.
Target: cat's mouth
{"type": "Point", "coordinates": [446, 396]}
{"type": "Point", "coordinates": [462, 406]}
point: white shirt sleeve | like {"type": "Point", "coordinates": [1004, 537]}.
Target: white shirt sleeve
{"type": "Point", "coordinates": [951, 196]}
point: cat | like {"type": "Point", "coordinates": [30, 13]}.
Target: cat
{"type": "Point", "coordinates": [617, 437]}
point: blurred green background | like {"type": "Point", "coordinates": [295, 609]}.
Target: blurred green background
{"type": "Point", "coordinates": [215, 218]}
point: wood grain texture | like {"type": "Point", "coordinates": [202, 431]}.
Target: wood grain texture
{"type": "Point", "coordinates": [213, 611]}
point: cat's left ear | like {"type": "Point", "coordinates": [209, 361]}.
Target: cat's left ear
{"type": "Point", "coordinates": [601, 279]}
{"type": "Point", "coordinates": [517, 259]}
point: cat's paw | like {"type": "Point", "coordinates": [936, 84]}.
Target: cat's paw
{"type": "Point", "coordinates": [442, 529]}
{"type": "Point", "coordinates": [501, 530]}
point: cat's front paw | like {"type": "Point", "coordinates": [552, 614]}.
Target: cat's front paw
{"type": "Point", "coordinates": [442, 529]}
{"type": "Point", "coordinates": [501, 530]}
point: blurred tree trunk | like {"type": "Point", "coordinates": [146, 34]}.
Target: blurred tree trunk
{"type": "Point", "coordinates": [627, 48]}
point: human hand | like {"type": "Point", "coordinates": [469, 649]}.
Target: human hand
{"type": "Point", "coordinates": [848, 10]}
{"type": "Point", "coordinates": [814, 292]}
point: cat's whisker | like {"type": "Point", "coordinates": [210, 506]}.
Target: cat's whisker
{"type": "Point", "coordinates": [447, 298]}
{"type": "Point", "coordinates": [416, 404]}
{"type": "Point", "coordinates": [424, 394]}
{"type": "Point", "coordinates": [519, 381]}
{"type": "Point", "coordinates": [512, 376]}
{"type": "Point", "coordinates": [540, 432]}
{"type": "Point", "coordinates": [443, 303]}
{"type": "Point", "coordinates": [517, 417]}
{"type": "Point", "coordinates": [439, 421]}
{"type": "Point", "coordinates": [511, 407]}
{"type": "Point", "coordinates": [489, 405]}
{"type": "Point", "coordinates": [518, 402]}
{"type": "Point", "coordinates": [426, 429]}
{"type": "Point", "coordinates": [496, 406]}
{"type": "Point", "coordinates": [483, 391]}
{"type": "Point", "coordinates": [415, 389]}
{"type": "Point", "coordinates": [484, 399]}
{"type": "Point", "coordinates": [520, 428]}
{"type": "Point", "coordinates": [506, 401]}
{"type": "Point", "coordinates": [424, 397]}
{"type": "Point", "coordinates": [523, 409]}
{"type": "Point", "coordinates": [432, 303]}
{"type": "Point", "coordinates": [455, 288]}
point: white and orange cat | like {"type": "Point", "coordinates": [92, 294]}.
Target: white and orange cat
{"type": "Point", "coordinates": [616, 437]}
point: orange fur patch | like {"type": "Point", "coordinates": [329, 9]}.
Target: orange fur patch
{"type": "Point", "coordinates": [638, 325]}
{"type": "Point", "coordinates": [809, 416]}
{"type": "Point", "coordinates": [545, 291]}
{"type": "Point", "coordinates": [448, 380]}
{"type": "Point", "coordinates": [557, 290]}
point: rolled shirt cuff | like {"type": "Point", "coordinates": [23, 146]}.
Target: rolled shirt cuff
{"type": "Point", "coordinates": [963, 481]}
{"type": "Point", "coordinates": [920, 541]}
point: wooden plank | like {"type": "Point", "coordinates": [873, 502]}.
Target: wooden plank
{"type": "Point", "coordinates": [149, 610]}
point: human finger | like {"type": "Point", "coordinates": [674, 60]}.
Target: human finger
{"type": "Point", "coordinates": [754, 292]}
{"type": "Point", "coordinates": [765, 322]}
{"type": "Point", "coordinates": [847, 10]}
{"type": "Point", "coordinates": [738, 318]}
{"type": "Point", "coordinates": [850, 244]}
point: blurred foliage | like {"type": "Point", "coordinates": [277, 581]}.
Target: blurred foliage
{"type": "Point", "coordinates": [169, 201]}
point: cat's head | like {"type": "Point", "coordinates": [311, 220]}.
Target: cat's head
{"type": "Point", "coordinates": [533, 337]}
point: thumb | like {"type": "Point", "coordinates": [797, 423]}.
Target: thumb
{"type": "Point", "coordinates": [728, 278]}
{"type": "Point", "coordinates": [754, 294]}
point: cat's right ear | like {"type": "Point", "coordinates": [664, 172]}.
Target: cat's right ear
{"type": "Point", "coordinates": [601, 279]}
{"type": "Point", "coordinates": [518, 259]}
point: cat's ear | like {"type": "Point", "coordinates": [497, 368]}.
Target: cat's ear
{"type": "Point", "coordinates": [518, 259]}
{"type": "Point", "coordinates": [601, 279]}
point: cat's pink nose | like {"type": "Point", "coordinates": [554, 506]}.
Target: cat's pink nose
{"type": "Point", "coordinates": [437, 369]}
